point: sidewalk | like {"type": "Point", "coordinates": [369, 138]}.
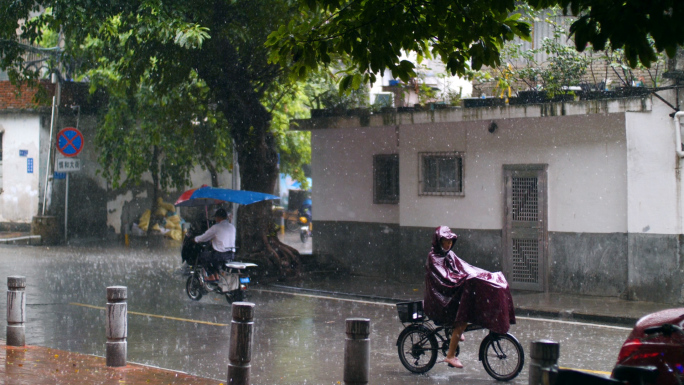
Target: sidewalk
{"type": "Point", "coordinates": [34, 365]}
{"type": "Point", "coordinates": [549, 305]}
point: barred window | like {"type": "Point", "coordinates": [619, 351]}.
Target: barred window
{"type": "Point", "coordinates": [441, 173]}
{"type": "Point", "coordinates": [386, 179]}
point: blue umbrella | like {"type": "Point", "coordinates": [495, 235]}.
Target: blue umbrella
{"type": "Point", "coordinates": [206, 195]}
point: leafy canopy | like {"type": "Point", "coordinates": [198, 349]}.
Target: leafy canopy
{"type": "Point", "coordinates": [179, 75]}
{"type": "Point", "coordinates": [628, 25]}
{"type": "Point", "coordinates": [465, 34]}
{"type": "Point", "coordinates": [375, 34]}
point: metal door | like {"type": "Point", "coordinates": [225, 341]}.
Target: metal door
{"type": "Point", "coordinates": [525, 233]}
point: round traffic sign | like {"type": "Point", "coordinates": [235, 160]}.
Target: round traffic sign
{"type": "Point", "coordinates": [69, 142]}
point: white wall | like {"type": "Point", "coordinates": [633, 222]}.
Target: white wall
{"type": "Point", "coordinates": [342, 169]}
{"type": "Point", "coordinates": [655, 187]}
{"type": "Point", "coordinates": [19, 199]}
{"type": "Point", "coordinates": [587, 171]}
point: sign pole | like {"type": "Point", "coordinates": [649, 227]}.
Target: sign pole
{"type": "Point", "coordinates": [69, 143]}
{"type": "Point", "coordinates": [66, 207]}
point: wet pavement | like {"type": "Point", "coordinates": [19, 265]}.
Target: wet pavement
{"type": "Point", "coordinates": [34, 365]}
{"type": "Point", "coordinates": [299, 325]}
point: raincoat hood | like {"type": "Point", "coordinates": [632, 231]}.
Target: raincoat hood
{"type": "Point", "coordinates": [442, 232]}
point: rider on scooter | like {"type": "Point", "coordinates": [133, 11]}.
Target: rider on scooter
{"type": "Point", "coordinates": [222, 237]}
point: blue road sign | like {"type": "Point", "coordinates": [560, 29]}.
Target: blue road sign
{"type": "Point", "coordinates": [69, 142]}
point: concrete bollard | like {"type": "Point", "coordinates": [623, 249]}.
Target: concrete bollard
{"type": "Point", "coordinates": [357, 351]}
{"type": "Point", "coordinates": [241, 336]}
{"type": "Point", "coordinates": [543, 362]}
{"type": "Point", "coordinates": [116, 326]}
{"type": "Point", "coordinates": [16, 311]}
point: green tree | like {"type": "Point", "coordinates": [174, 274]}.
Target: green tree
{"type": "Point", "coordinates": [374, 34]}
{"type": "Point", "coordinates": [160, 46]}
{"type": "Point", "coordinates": [165, 134]}
{"type": "Point", "coordinates": [627, 25]}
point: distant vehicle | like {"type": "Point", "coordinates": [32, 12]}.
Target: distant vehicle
{"type": "Point", "coordinates": [305, 225]}
{"type": "Point", "coordinates": [657, 341]}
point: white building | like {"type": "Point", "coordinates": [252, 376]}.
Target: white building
{"type": "Point", "coordinates": [95, 209]}
{"type": "Point", "coordinates": [581, 197]}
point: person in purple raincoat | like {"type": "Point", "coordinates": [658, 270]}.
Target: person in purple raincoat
{"type": "Point", "coordinates": [458, 293]}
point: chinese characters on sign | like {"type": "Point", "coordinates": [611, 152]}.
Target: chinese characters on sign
{"type": "Point", "coordinates": [29, 165]}
{"type": "Point", "coordinates": [68, 165]}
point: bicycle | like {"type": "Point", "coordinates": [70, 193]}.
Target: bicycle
{"type": "Point", "coordinates": [419, 344]}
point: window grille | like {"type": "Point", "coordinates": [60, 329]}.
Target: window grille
{"type": "Point", "coordinates": [525, 260]}
{"type": "Point", "coordinates": [386, 179]}
{"type": "Point", "coordinates": [441, 173]}
{"type": "Point", "coordinates": [525, 199]}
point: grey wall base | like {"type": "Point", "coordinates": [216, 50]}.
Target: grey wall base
{"type": "Point", "coordinates": [645, 267]}
{"type": "Point", "coordinates": [589, 264]}
{"type": "Point", "coordinates": [656, 268]}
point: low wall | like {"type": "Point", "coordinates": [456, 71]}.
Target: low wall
{"type": "Point", "coordinates": [645, 267]}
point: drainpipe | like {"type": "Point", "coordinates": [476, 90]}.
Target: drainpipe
{"type": "Point", "coordinates": [680, 155]}
{"type": "Point", "coordinates": [678, 134]}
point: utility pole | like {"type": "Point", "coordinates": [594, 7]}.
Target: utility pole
{"type": "Point", "coordinates": [56, 101]}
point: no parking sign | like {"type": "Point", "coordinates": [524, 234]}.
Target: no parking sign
{"type": "Point", "coordinates": [69, 142]}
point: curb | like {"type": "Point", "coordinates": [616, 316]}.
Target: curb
{"type": "Point", "coordinates": [569, 315]}
{"type": "Point", "coordinates": [519, 310]}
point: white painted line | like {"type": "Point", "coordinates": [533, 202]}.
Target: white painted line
{"type": "Point", "coordinates": [326, 297]}
{"type": "Point", "coordinates": [574, 323]}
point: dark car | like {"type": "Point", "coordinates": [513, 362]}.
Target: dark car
{"type": "Point", "coordinates": [657, 340]}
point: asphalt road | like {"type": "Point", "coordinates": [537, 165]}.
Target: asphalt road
{"type": "Point", "coordinates": [298, 338]}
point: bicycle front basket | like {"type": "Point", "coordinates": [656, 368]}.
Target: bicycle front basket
{"type": "Point", "coordinates": [410, 311]}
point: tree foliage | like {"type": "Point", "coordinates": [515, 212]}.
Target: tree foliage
{"type": "Point", "coordinates": [165, 134]}
{"type": "Point", "coordinates": [627, 25]}
{"type": "Point", "coordinates": [155, 54]}
{"type": "Point", "coordinates": [375, 34]}
{"type": "Point", "coordinates": [464, 34]}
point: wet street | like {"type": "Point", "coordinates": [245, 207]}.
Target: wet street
{"type": "Point", "coordinates": [299, 338]}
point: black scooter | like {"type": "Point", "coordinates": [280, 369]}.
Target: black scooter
{"type": "Point", "coordinates": [233, 281]}
{"type": "Point", "coordinates": [233, 276]}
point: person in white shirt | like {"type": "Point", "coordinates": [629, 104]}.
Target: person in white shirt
{"type": "Point", "coordinates": [222, 237]}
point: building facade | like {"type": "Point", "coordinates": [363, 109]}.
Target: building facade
{"type": "Point", "coordinates": [578, 197]}
{"type": "Point", "coordinates": [95, 209]}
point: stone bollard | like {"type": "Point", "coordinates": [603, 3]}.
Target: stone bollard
{"type": "Point", "coordinates": [544, 362]}
{"type": "Point", "coordinates": [16, 311]}
{"type": "Point", "coordinates": [241, 336]}
{"type": "Point", "coordinates": [117, 326]}
{"type": "Point", "coordinates": [357, 351]}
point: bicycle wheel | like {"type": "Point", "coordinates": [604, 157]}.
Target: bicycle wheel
{"type": "Point", "coordinates": [502, 356]}
{"type": "Point", "coordinates": [417, 348]}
